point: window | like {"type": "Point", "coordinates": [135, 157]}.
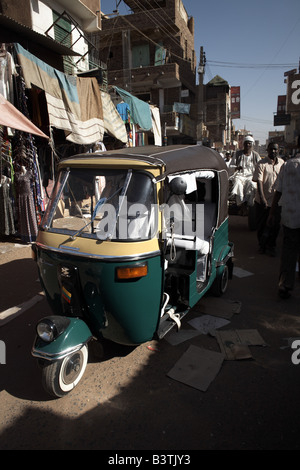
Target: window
{"type": "Point", "coordinates": [114, 204]}
{"type": "Point", "coordinates": [140, 56]}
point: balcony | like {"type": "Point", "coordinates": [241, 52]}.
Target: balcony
{"type": "Point", "coordinates": [88, 19]}
{"type": "Point", "coordinates": [143, 79]}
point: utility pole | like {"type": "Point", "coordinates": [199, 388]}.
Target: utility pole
{"type": "Point", "coordinates": [200, 113]}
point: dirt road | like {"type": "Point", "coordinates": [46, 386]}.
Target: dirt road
{"type": "Point", "coordinates": [127, 401]}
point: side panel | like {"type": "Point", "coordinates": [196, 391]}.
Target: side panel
{"type": "Point", "coordinates": [220, 250]}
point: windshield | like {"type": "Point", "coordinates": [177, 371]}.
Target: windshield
{"type": "Point", "coordinates": [114, 204]}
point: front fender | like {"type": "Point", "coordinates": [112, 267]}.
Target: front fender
{"type": "Point", "coordinates": [70, 340]}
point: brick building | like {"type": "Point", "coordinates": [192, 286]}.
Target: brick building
{"type": "Point", "coordinates": [150, 53]}
{"type": "Point", "coordinates": [217, 111]}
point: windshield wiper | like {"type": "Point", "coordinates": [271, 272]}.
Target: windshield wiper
{"type": "Point", "coordinates": [121, 201]}
{"type": "Point", "coordinates": [99, 203]}
{"type": "Point", "coordinates": [103, 201]}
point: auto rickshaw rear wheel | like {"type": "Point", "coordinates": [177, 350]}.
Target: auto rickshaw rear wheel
{"type": "Point", "coordinates": [60, 377]}
{"type": "Point", "coordinates": [220, 284]}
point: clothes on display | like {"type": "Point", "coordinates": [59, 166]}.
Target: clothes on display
{"type": "Point", "coordinates": [28, 227]}
{"type": "Point", "coordinates": [28, 160]}
{"type": "Point", "coordinates": [7, 226]}
{"type": "Point", "coordinates": [124, 110]}
{"type": "Point", "coordinates": [7, 70]}
{"type": "Point", "coordinates": [21, 198]}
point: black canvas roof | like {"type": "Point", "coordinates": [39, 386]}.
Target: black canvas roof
{"type": "Point", "coordinates": [172, 160]}
{"type": "Point", "coordinates": [175, 158]}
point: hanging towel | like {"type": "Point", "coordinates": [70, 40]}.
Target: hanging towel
{"type": "Point", "coordinates": [90, 127]}
{"type": "Point", "coordinates": [113, 123]}
{"type": "Point", "coordinates": [63, 103]}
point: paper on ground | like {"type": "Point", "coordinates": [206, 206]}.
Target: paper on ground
{"type": "Point", "coordinates": [239, 272]}
{"type": "Point", "coordinates": [208, 323]}
{"type": "Point", "coordinates": [174, 337]}
{"type": "Point", "coordinates": [197, 367]}
{"type": "Point", "coordinates": [234, 343]}
{"type": "Point", "coordinates": [218, 307]}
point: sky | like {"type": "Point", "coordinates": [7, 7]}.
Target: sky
{"type": "Point", "coordinates": [250, 45]}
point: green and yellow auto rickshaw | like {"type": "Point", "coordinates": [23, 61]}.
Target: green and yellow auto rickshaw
{"type": "Point", "coordinates": [130, 241]}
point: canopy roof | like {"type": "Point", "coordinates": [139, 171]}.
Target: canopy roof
{"type": "Point", "coordinates": [12, 117]}
{"type": "Point", "coordinates": [174, 159]}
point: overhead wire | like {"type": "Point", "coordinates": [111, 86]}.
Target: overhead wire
{"type": "Point", "coordinates": [110, 42]}
{"type": "Point", "coordinates": [275, 55]}
{"type": "Point", "coordinates": [252, 119]}
{"type": "Point", "coordinates": [216, 63]}
{"type": "Point", "coordinates": [150, 16]}
{"type": "Point", "coordinates": [158, 23]}
{"type": "Point", "coordinates": [154, 42]}
{"type": "Point", "coordinates": [157, 13]}
{"type": "Point", "coordinates": [166, 32]}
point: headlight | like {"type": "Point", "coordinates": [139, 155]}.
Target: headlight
{"type": "Point", "coordinates": [51, 327]}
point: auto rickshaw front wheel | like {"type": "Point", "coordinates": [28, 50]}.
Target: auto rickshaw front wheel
{"type": "Point", "coordinates": [60, 377]}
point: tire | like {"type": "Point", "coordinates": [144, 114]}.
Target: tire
{"type": "Point", "coordinates": [220, 284]}
{"type": "Point", "coordinates": [60, 377]}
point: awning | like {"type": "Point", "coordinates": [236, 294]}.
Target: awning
{"type": "Point", "coordinates": [73, 103]}
{"type": "Point", "coordinates": [12, 117]}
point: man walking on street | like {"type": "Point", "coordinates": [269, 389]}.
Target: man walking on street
{"type": "Point", "coordinates": [244, 162]}
{"type": "Point", "coordinates": [287, 192]}
{"type": "Point", "coordinates": [265, 175]}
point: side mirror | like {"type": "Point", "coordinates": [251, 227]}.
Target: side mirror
{"type": "Point", "coordinates": [178, 185]}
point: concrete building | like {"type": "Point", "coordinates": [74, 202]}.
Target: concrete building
{"type": "Point", "coordinates": [150, 53]}
{"type": "Point", "coordinates": [217, 111]}
{"type": "Point", "coordinates": [58, 32]}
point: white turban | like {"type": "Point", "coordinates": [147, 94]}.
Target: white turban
{"type": "Point", "coordinates": [248, 138]}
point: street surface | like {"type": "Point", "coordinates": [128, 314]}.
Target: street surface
{"type": "Point", "coordinates": [126, 400]}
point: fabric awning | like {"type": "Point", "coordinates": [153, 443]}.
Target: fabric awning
{"type": "Point", "coordinates": [74, 104]}
{"type": "Point", "coordinates": [12, 117]}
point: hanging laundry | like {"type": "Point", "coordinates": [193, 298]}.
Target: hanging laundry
{"type": "Point", "coordinates": [124, 110]}
{"type": "Point", "coordinates": [139, 110]}
{"type": "Point", "coordinates": [156, 125]}
{"type": "Point", "coordinates": [113, 123]}
{"type": "Point", "coordinates": [74, 104]}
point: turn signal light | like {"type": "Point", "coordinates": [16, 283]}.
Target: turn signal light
{"type": "Point", "coordinates": [132, 272]}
